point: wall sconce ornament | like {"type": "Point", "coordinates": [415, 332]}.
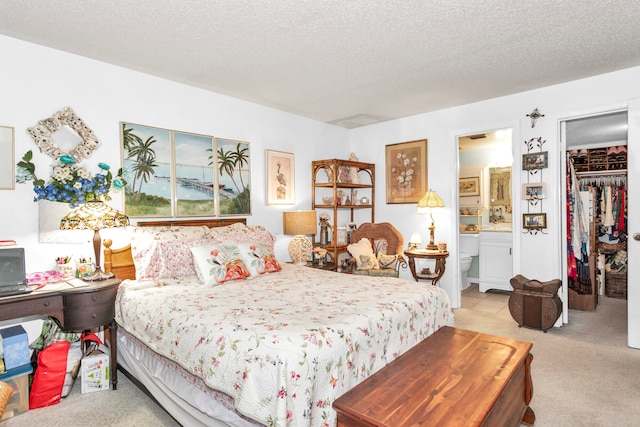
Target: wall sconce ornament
{"type": "Point", "coordinates": [535, 115]}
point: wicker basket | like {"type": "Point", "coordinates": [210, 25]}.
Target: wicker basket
{"type": "Point", "coordinates": [616, 284]}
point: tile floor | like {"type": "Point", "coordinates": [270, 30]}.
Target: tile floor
{"type": "Point", "coordinates": [487, 302]}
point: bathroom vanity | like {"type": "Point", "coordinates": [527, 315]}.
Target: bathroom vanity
{"type": "Point", "coordinates": [496, 259]}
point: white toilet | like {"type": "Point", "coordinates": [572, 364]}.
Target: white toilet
{"type": "Point", "coordinates": [469, 247]}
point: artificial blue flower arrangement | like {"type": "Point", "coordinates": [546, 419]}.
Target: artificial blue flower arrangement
{"type": "Point", "coordinates": [70, 183]}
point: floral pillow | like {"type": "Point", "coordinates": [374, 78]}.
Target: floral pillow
{"type": "Point", "coordinates": [259, 258]}
{"type": "Point", "coordinates": [242, 233]}
{"type": "Point", "coordinates": [218, 263]}
{"type": "Point", "coordinates": [164, 251]}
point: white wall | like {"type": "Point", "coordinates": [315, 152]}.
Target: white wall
{"type": "Point", "coordinates": [537, 256]}
{"type": "Point", "coordinates": [36, 81]}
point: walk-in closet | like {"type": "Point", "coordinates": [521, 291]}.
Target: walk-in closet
{"type": "Point", "coordinates": [596, 203]}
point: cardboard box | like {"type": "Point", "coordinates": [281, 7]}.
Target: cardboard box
{"type": "Point", "coordinates": [15, 344]}
{"type": "Point", "coordinates": [18, 378]}
{"type": "Point", "coordinates": [94, 372]}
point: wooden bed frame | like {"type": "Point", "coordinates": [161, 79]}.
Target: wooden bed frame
{"type": "Point", "coordinates": [120, 261]}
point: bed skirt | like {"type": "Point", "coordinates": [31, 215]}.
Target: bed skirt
{"type": "Point", "coordinates": [181, 394]}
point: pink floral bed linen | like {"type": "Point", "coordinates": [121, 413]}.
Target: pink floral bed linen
{"type": "Point", "coordinates": [285, 345]}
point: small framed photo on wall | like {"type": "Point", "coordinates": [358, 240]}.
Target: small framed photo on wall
{"type": "Point", "coordinates": [534, 221]}
{"type": "Point", "coordinates": [534, 161]}
{"type": "Point", "coordinates": [534, 191]}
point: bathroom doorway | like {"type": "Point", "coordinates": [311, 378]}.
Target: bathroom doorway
{"type": "Point", "coordinates": [485, 195]}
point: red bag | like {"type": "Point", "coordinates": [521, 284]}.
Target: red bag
{"type": "Point", "coordinates": [48, 380]}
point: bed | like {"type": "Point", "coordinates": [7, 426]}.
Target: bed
{"type": "Point", "coordinates": [275, 348]}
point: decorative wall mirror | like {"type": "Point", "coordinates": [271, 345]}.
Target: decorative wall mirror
{"type": "Point", "coordinates": [64, 133]}
{"type": "Point", "coordinates": [500, 195]}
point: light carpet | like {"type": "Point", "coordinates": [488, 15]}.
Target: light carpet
{"type": "Point", "coordinates": [583, 373]}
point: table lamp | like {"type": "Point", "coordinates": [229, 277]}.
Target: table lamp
{"type": "Point", "coordinates": [299, 223]}
{"type": "Point", "coordinates": [94, 215]}
{"type": "Point", "coordinates": [414, 241]}
{"type": "Point", "coordinates": [429, 201]}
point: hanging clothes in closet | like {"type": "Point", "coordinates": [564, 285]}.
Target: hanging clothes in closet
{"type": "Point", "coordinates": [596, 223]}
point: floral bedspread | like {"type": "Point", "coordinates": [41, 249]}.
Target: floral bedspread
{"type": "Point", "coordinates": [284, 345]}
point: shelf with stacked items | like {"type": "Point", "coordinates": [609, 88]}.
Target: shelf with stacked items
{"type": "Point", "coordinates": [342, 191]}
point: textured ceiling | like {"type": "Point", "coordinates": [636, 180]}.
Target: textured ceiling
{"type": "Point", "coordinates": [347, 62]}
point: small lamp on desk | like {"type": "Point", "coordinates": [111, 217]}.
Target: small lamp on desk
{"type": "Point", "coordinates": [94, 215]}
{"type": "Point", "coordinates": [299, 223]}
{"type": "Point", "coordinates": [428, 202]}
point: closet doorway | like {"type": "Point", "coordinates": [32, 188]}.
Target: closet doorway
{"type": "Point", "coordinates": [595, 233]}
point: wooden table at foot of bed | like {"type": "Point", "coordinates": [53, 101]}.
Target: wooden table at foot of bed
{"type": "Point", "coordinates": [455, 377]}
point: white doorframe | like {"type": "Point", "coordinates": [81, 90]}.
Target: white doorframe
{"type": "Point", "coordinates": [454, 261]}
{"type": "Point", "coordinates": [633, 222]}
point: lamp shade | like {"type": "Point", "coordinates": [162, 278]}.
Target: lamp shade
{"type": "Point", "coordinates": [299, 222]}
{"type": "Point", "coordinates": [430, 200]}
{"type": "Point", "coordinates": [93, 216]}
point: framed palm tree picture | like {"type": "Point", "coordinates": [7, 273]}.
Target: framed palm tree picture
{"type": "Point", "coordinates": [234, 177]}
{"type": "Point", "coordinates": [171, 173]}
{"type": "Point", "coordinates": [147, 163]}
{"type": "Point", "coordinates": [195, 174]}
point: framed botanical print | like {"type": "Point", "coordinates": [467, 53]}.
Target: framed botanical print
{"type": "Point", "coordinates": [280, 178]}
{"type": "Point", "coordinates": [406, 171]}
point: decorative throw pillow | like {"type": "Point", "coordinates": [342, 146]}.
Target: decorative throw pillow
{"type": "Point", "coordinates": [164, 251]}
{"type": "Point", "coordinates": [387, 261]}
{"type": "Point", "coordinates": [363, 247]}
{"type": "Point", "coordinates": [259, 258]}
{"type": "Point", "coordinates": [368, 262]}
{"type": "Point", "coordinates": [218, 263]}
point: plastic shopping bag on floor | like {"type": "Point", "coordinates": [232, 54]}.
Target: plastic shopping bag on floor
{"type": "Point", "coordinates": [48, 380]}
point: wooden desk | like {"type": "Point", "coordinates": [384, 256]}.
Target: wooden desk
{"type": "Point", "coordinates": [453, 378]}
{"type": "Point", "coordinates": [434, 276]}
{"type": "Point", "coordinates": [73, 309]}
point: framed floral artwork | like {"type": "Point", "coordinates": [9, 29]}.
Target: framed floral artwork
{"type": "Point", "coordinates": [280, 178]}
{"type": "Point", "coordinates": [406, 171]}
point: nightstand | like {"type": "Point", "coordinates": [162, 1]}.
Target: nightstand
{"type": "Point", "coordinates": [74, 308]}
{"type": "Point", "coordinates": [439, 257]}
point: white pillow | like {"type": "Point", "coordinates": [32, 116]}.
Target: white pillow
{"type": "Point", "coordinates": [363, 248]}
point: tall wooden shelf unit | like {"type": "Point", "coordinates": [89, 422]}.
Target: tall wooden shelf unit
{"type": "Point", "coordinates": [328, 177]}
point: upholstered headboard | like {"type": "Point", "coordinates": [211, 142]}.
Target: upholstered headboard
{"type": "Point", "coordinates": [120, 261]}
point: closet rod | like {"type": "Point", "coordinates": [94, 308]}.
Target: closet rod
{"type": "Point", "coordinates": [602, 173]}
